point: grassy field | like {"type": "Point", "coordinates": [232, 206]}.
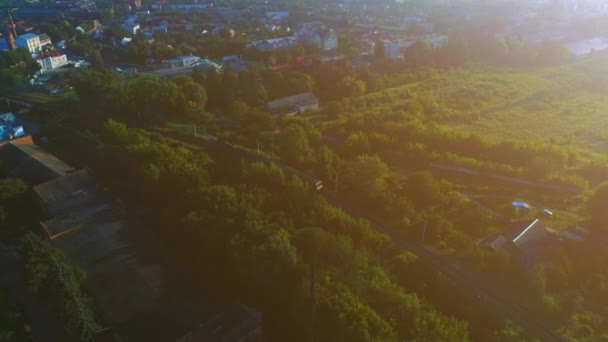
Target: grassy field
{"type": "Point", "coordinates": [566, 105]}
{"type": "Point", "coordinates": [47, 99]}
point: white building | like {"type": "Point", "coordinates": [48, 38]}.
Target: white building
{"type": "Point", "coordinates": [29, 41]}
{"type": "Point", "coordinates": [274, 44]}
{"type": "Point", "coordinates": [181, 62]}
{"type": "Point", "coordinates": [44, 40]}
{"type": "Point", "coordinates": [329, 41]}
{"type": "Point", "coordinates": [53, 61]}
{"type": "Point", "coordinates": [293, 105]}
{"type": "Point", "coordinates": [394, 49]}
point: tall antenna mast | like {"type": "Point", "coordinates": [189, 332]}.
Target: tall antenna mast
{"type": "Point", "coordinates": [11, 25]}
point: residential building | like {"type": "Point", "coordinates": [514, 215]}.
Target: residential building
{"type": "Point", "coordinates": [91, 229]}
{"type": "Point", "coordinates": [329, 41]}
{"type": "Point", "coordinates": [131, 28]}
{"type": "Point", "coordinates": [29, 41]}
{"type": "Point", "coordinates": [124, 263]}
{"type": "Point", "coordinates": [318, 34]}
{"type": "Point", "coordinates": [293, 105]}
{"type": "Point", "coordinates": [180, 62]}
{"type": "Point", "coordinates": [274, 44]}
{"type": "Point", "coordinates": [189, 7]}
{"type": "Point", "coordinates": [277, 17]}
{"type": "Point", "coordinates": [313, 26]}
{"type": "Point", "coordinates": [52, 61]}
{"type": "Point", "coordinates": [22, 159]}
{"type": "Point", "coordinates": [394, 49]}
{"type": "Point", "coordinates": [180, 25]}
{"type": "Point", "coordinates": [162, 26]}
{"type": "Point", "coordinates": [523, 239]}
{"type": "Point", "coordinates": [44, 40]}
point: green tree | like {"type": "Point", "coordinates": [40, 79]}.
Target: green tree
{"type": "Point", "coordinates": [10, 188]}
{"type": "Point", "coordinates": [197, 76]}
{"type": "Point", "coordinates": [369, 175]}
{"type": "Point", "coordinates": [294, 145]}
{"type": "Point", "coordinates": [310, 243]}
{"type": "Point", "coordinates": [352, 87]}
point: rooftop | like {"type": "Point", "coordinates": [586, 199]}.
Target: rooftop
{"type": "Point", "coordinates": [27, 36]}
{"type": "Point", "coordinates": [292, 101]}
{"type": "Point", "coordinates": [63, 194]}
{"type": "Point", "coordinates": [31, 163]}
{"type": "Point", "coordinates": [91, 228]}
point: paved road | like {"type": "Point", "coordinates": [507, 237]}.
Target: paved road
{"type": "Point", "coordinates": [486, 293]}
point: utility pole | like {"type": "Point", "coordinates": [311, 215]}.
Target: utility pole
{"type": "Point", "coordinates": [258, 142]}
{"type": "Point", "coordinates": [424, 231]}
{"type": "Point", "coordinates": [336, 180]}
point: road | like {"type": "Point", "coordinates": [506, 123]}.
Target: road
{"type": "Point", "coordinates": [485, 292]}
{"type": "Point", "coordinates": [471, 172]}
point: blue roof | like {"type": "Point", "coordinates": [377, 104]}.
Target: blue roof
{"type": "Point", "coordinates": [8, 118]}
{"type": "Point", "coordinates": [27, 36]}
{"type": "Point", "coordinates": [4, 45]}
{"type": "Point", "coordinates": [10, 128]}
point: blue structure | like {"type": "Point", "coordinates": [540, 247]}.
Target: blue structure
{"type": "Point", "coordinates": [10, 127]}
{"type": "Point", "coordinates": [521, 205]}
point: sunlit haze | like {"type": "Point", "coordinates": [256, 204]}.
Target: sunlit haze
{"type": "Point", "coordinates": [303, 170]}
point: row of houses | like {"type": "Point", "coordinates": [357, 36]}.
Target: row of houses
{"type": "Point", "coordinates": [123, 262]}
{"type": "Point", "coordinates": [395, 49]}
{"type": "Point", "coordinates": [315, 33]}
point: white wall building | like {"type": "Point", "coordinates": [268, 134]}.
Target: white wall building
{"type": "Point", "coordinates": [329, 41]}
{"type": "Point", "coordinates": [394, 48]}
{"type": "Point", "coordinates": [51, 62]}
{"type": "Point", "coordinates": [29, 41]}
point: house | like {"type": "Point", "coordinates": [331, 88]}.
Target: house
{"type": "Point", "coordinates": [394, 49]}
{"type": "Point", "coordinates": [205, 64]}
{"type": "Point", "coordinates": [313, 26]}
{"type": "Point", "coordinates": [29, 41]}
{"type": "Point", "coordinates": [189, 7]}
{"type": "Point", "coordinates": [131, 28]}
{"type": "Point", "coordinates": [318, 34]}
{"type": "Point", "coordinates": [329, 40]}
{"type": "Point", "coordinates": [23, 159]}
{"type": "Point", "coordinates": [52, 61]}
{"type": "Point", "coordinates": [91, 229]}
{"type": "Point", "coordinates": [10, 127]}
{"type": "Point", "coordinates": [286, 43]}
{"type": "Point", "coordinates": [44, 40]}
{"type": "Point", "coordinates": [277, 17]}
{"type": "Point", "coordinates": [162, 26]}
{"type": "Point", "coordinates": [293, 105]}
{"type": "Point", "coordinates": [522, 239]}
{"type": "Point", "coordinates": [181, 62]}
{"type": "Point", "coordinates": [180, 25]}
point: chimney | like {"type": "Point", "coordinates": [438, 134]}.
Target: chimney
{"type": "Point", "coordinates": [11, 41]}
